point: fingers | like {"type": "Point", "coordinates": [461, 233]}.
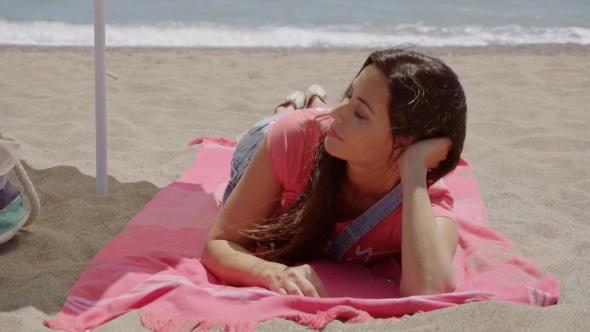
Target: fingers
{"type": "Point", "coordinates": [435, 151]}
{"type": "Point", "coordinates": [313, 284]}
{"type": "Point", "coordinates": [318, 285]}
{"type": "Point", "coordinates": [447, 143]}
{"type": "Point", "coordinates": [300, 280]}
{"type": "Point", "coordinates": [289, 287]}
{"type": "Point", "coordinates": [437, 144]}
{"type": "Point", "coordinates": [300, 287]}
{"type": "Point", "coordinates": [308, 288]}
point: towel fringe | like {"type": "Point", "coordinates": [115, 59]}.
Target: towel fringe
{"type": "Point", "coordinates": [172, 323]}
{"type": "Point", "coordinates": [323, 318]}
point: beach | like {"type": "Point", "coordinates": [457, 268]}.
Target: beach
{"type": "Point", "coordinates": [528, 142]}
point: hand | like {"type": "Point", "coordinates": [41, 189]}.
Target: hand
{"type": "Point", "coordinates": [429, 152]}
{"type": "Point", "coordinates": [297, 280]}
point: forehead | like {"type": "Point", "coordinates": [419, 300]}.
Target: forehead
{"type": "Point", "coordinates": [372, 87]}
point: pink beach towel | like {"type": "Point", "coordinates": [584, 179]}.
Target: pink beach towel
{"type": "Point", "coordinates": [153, 265]}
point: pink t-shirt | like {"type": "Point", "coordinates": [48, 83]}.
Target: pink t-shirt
{"type": "Point", "coordinates": [291, 143]}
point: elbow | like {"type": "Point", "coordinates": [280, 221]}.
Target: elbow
{"type": "Point", "coordinates": [427, 287]}
{"type": "Point", "coordinates": [206, 255]}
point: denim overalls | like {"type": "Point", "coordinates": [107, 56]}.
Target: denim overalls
{"type": "Point", "coordinates": [245, 150]}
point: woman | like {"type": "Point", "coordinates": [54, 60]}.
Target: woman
{"type": "Point", "coordinates": [311, 173]}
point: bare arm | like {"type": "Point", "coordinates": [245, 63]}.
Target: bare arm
{"type": "Point", "coordinates": [428, 243]}
{"type": "Point", "coordinates": [226, 254]}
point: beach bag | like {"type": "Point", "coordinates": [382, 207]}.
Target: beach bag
{"type": "Point", "coordinates": [13, 215]}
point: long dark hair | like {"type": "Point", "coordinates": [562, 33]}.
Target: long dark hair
{"type": "Point", "coordinates": [426, 101]}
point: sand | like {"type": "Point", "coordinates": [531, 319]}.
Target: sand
{"type": "Point", "coordinates": [528, 141]}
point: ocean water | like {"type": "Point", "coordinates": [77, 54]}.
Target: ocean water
{"type": "Point", "coordinates": [301, 23]}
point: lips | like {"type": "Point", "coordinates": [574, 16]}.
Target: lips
{"type": "Point", "coordinates": [333, 134]}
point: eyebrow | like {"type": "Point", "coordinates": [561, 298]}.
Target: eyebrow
{"type": "Point", "coordinates": [361, 99]}
{"type": "Point", "coordinates": [366, 104]}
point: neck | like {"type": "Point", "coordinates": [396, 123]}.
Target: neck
{"type": "Point", "coordinates": [364, 182]}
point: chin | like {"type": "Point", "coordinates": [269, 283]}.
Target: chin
{"type": "Point", "coordinates": [330, 147]}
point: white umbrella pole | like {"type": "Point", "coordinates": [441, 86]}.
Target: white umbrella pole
{"type": "Point", "coordinates": [100, 97]}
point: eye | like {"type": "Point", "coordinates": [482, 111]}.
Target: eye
{"type": "Point", "coordinates": [348, 95]}
{"type": "Point", "coordinates": [357, 113]}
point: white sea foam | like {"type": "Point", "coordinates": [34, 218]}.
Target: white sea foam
{"type": "Point", "coordinates": [217, 35]}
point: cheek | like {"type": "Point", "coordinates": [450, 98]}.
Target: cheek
{"type": "Point", "coordinates": [378, 140]}
{"type": "Point", "coordinates": [381, 146]}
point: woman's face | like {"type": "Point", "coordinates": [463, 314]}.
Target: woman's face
{"type": "Point", "coordinates": [360, 132]}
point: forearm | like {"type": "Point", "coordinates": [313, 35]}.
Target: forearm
{"type": "Point", "coordinates": [234, 265]}
{"type": "Point", "coordinates": [426, 262]}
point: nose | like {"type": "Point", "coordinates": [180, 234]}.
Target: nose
{"type": "Point", "coordinates": [337, 113]}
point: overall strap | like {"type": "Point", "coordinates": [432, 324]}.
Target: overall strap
{"type": "Point", "coordinates": [373, 216]}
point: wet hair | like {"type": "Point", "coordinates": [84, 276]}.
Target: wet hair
{"type": "Point", "coordinates": [426, 101]}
